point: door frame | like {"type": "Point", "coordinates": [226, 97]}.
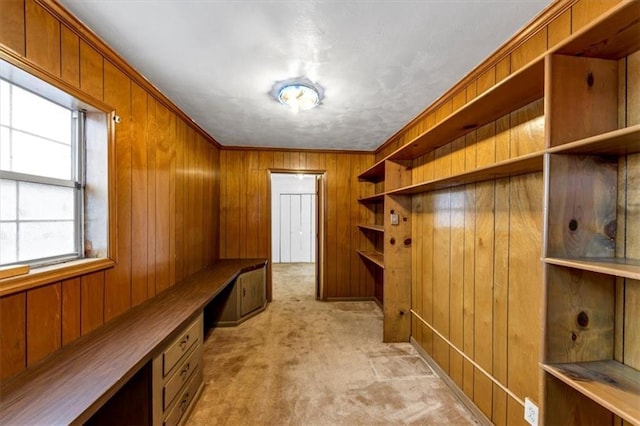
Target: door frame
{"type": "Point", "coordinates": [321, 226]}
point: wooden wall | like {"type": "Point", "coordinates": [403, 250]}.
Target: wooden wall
{"type": "Point", "coordinates": [245, 221]}
{"type": "Point", "coordinates": [165, 188]}
{"type": "Point", "coordinates": [477, 275]}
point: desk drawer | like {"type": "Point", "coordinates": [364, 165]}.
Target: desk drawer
{"type": "Point", "coordinates": [184, 399]}
{"type": "Point", "coordinates": [181, 375]}
{"type": "Point", "coordinates": [181, 345]}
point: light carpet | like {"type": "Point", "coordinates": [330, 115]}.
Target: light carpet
{"type": "Point", "coordinates": [304, 362]}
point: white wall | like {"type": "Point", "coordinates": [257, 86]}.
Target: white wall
{"type": "Point", "coordinates": [296, 220]}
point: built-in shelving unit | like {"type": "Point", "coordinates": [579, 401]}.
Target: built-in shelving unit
{"type": "Point", "coordinates": [376, 198]}
{"type": "Point", "coordinates": [373, 256]}
{"type": "Point", "coordinates": [374, 228]}
{"type": "Point", "coordinates": [589, 364]}
{"type": "Point", "coordinates": [513, 167]}
{"type": "Point", "coordinates": [591, 111]}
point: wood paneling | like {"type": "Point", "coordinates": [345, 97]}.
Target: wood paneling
{"type": "Point", "coordinates": [42, 38]}
{"type": "Point", "coordinates": [69, 56]}
{"type": "Point", "coordinates": [118, 93]}
{"type": "Point", "coordinates": [243, 169]}
{"type": "Point", "coordinates": [92, 79]}
{"type": "Point", "coordinates": [43, 322]}
{"type": "Point", "coordinates": [70, 310]}
{"type": "Point", "coordinates": [166, 187]}
{"type": "Point", "coordinates": [12, 25]}
{"type": "Point", "coordinates": [13, 328]}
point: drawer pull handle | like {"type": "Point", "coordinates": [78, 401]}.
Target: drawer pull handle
{"type": "Point", "coordinates": [185, 370]}
{"type": "Point", "coordinates": [183, 403]}
{"type": "Point", "coordinates": [184, 341]}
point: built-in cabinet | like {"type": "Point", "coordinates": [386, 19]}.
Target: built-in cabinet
{"type": "Point", "coordinates": [585, 164]}
{"type": "Point", "coordinates": [244, 298]}
{"type": "Point", "coordinates": [177, 375]}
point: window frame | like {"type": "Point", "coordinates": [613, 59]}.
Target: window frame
{"type": "Point", "coordinates": [100, 221]}
{"type": "Point", "coordinates": [76, 182]}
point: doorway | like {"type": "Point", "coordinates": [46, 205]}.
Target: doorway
{"type": "Point", "coordinates": [297, 223]}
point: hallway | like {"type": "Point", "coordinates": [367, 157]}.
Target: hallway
{"type": "Point", "coordinates": [303, 362]}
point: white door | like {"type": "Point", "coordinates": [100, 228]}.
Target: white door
{"type": "Point", "coordinates": [297, 228]}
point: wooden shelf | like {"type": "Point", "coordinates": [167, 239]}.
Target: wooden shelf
{"type": "Point", "coordinates": [617, 142]}
{"type": "Point", "coordinates": [376, 198]}
{"type": "Point", "coordinates": [516, 166]}
{"type": "Point", "coordinates": [373, 256]}
{"type": "Point", "coordinates": [611, 384]}
{"type": "Point", "coordinates": [517, 90]}
{"type": "Point", "coordinates": [625, 268]}
{"type": "Point", "coordinates": [613, 35]}
{"type": "Point", "coordinates": [376, 228]}
{"type": "Point", "coordinates": [374, 173]}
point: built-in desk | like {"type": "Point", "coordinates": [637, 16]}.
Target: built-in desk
{"type": "Point", "coordinates": [73, 384]}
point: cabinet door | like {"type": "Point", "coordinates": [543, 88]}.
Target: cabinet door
{"type": "Point", "coordinates": [252, 286]}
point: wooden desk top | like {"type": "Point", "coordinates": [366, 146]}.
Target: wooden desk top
{"type": "Point", "coordinates": [73, 383]}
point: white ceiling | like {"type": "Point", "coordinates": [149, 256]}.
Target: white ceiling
{"type": "Point", "coordinates": [381, 62]}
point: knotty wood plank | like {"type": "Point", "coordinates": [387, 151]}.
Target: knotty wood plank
{"type": "Point", "coordinates": [253, 204]}
{"type": "Point", "coordinates": [633, 90]}
{"type": "Point", "coordinates": [71, 315]}
{"type": "Point", "coordinates": [164, 140]}
{"type": "Point", "coordinates": [181, 131]}
{"type": "Point", "coordinates": [139, 190]}
{"type": "Point", "coordinates": [69, 56]}
{"type": "Point", "coordinates": [151, 196]}
{"type": "Point", "coordinates": [332, 237]}
{"type": "Point", "coordinates": [469, 269]}
{"type": "Point", "coordinates": [486, 81]}
{"type": "Point", "coordinates": [343, 224]}
{"type": "Point", "coordinates": [486, 145]}
{"type": "Point", "coordinates": [569, 292]}
{"type": "Point", "coordinates": [500, 298]}
{"type": "Point", "coordinates": [118, 93]}
{"type": "Point", "coordinates": [42, 37]}
{"type": "Point", "coordinates": [585, 11]}
{"type": "Point", "coordinates": [503, 138]}
{"type": "Point", "coordinates": [171, 175]}
{"type": "Point", "coordinates": [559, 29]}
{"type": "Point", "coordinates": [483, 292]}
{"type": "Point", "coordinates": [525, 293]}
{"type": "Point", "coordinates": [92, 299]}
{"type": "Point", "coordinates": [13, 328]}
{"type": "Point", "coordinates": [588, 82]}
{"type": "Point", "coordinates": [12, 33]}
{"type": "Point", "coordinates": [72, 384]}
{"type": "Point", "coordinates": [426, 240]}
{"type": "Point", "coordinates": [441, 275]}
{"type": "Point", "coordinates": [503, 68]}
{"type": "Point", "coordinates": [43, 322]}
{"type": "Point", "coordinates": [456, 297]}
{"type": "Point", "coordinates": [92, 77]}
{"type": "Point", "coordinates": [583, 198]}
{"type": "Point", "coordinates": [529, 50]}
{"type": "Point", "coordinates": [527, 129]}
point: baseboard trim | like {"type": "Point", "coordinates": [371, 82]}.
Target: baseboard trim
{"type": "Point", "coordinates": [462, 397]}
{"type": "Point", "coordinates": [350, 299]}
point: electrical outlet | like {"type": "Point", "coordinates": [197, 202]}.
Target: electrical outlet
{"type": "Point", "coordinates": [395, 219]}
{"type": "Point", "coordinates": [530, 412]}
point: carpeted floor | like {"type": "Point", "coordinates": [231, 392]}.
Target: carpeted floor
{"type": "Point", "coordinates": [304, 362]}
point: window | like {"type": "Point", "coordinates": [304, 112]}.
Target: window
{"type": "Point", "coordinates": [41, 178]}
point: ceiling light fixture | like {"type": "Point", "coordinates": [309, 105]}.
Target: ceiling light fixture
{"type": "Point", "coordinates": [299, 94]}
